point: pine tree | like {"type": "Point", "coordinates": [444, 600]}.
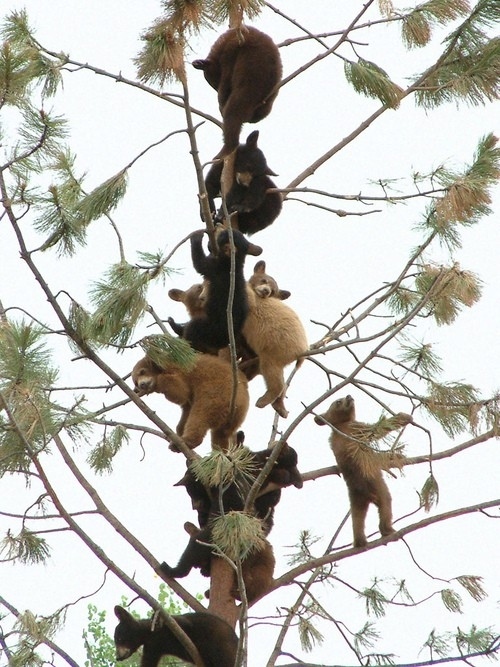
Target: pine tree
{"type": "Point", "coordinates": [83, 296]}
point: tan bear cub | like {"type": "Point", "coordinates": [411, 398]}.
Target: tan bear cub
{"type": "Point", "coordinates": [361, 467]}
{"type": "Point", "coordinates": [275, 333]}
{"type": "Point", "coordinates": [204, 391]}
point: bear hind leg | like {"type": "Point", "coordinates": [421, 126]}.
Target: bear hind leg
{"type": "Point", "coordinates": [275, 384]}
{"type": "Point", "coordinates": [384, 504]}
{"type": "Point", "coordinates": [359, 508]}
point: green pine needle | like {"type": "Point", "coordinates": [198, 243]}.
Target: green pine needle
{"type": "Point", "coordinates": [308, 634]}
{"type": "Point", "coordinates": [429, 495]}
{"type": "Point", "coordinates": [165, 349]}
{"type": "Point", "coordinates": [451, 600]}
{"type": "Point", "coordinates": [100, 459]}
{"type": "Point", "coordinates": [371, 80]}
{"type": "Point", "coordinates": [103, 199]}
{"type": "Point", "coordinates": [120, 301]}
{"type": "Point", "coordinates": [237, 534]}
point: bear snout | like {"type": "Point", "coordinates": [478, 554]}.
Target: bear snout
{"type": "Point", "coordinates": [144, 386]}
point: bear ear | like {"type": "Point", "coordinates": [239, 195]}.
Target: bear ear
{"type": "Point", "coordinates": [283, 294]}
{"type": "Point", "coordinates": [176, 294]}
{"type": "Point", "coordinates": [191, 529]}
{"type": "Point", "coordinates": [200, 64]}
{"type": "Point", "coordinates": [254, 250]}
{"type": "Point", "coordinates": [252, 138]}
{"type": "Point", "coordinates": [122, 614]}
{"type": "Point", "coordinates": [260, 267]}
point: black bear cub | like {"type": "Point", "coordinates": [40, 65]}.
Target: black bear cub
{"type": "Point", "coordinates": [209, 332]}
{"type": "Point", "coordinates": [248, 196]}
{"type": "Point", "coordinates": [244, 67]}
{"type": "Point", "coordinates": [215, 639]}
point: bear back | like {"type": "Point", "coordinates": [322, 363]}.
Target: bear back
{"type": "Point", "coordinates": [244, 67]}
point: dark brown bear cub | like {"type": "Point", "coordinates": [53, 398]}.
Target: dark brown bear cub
{"type": "Point", "coordinates": [215, 639]}
{"type": "Point", "coordinates": [248, 196]}
{"type": "Point", "coordinates": [244, 67]}
{"type": "Point", "coordinates": [361, 467]}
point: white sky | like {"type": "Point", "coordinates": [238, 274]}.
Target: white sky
{"type": "Point", "coordinates": [327, 262]}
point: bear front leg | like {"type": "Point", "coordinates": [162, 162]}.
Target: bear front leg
{"type": "Point", "coordinates": [181, 426]}
{"type": "Point", "coordinates": [195, 428]}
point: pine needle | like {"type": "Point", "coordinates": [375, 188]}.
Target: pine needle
{"type": "Point", "coordinates": [474, 586]}
{"type": "Point", "coordinates": [237, 534]}
{"type": "Point", "coordinates": [451, 600]}
{"type": "Point", "coordinates": [429, 495]}
{"type": "Point", "coordinates": [234, 11]}
{"type": "Point", "coordinates": [371, 80]}
{"type": "Point", "coordinates": [165, 350]}
{"type": "Point", "coordinates": [103, 199]}
{"type": "Point", "coordinates": [161, 60]}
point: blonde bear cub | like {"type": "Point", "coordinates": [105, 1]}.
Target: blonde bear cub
{"type": "Point", "coordinates": [275, 333]}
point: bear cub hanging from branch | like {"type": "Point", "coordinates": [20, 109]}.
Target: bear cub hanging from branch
{"type": "Point", "coordinates": [244, 66]}
{"type": "Point", "coordinates": [361, 466]}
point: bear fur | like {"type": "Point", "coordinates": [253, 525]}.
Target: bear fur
{"type": "Point", "coordinates": [283, 473]}
{"type": "Point", "coordinates": [248, 195]}
{"type": "Point", "coordinates": [194, 300]}
{"type": "Point", "coordinates": [257, 567]}
{"type": "Point", "coordinates": [361, 467]}
{"type": "Point", "coordinates": [215, 639]}
{"type": "Point", "coordinates": [208, 332]}
{"type": "Point", "coordinates": [275, 333]}
{"type": "Point", "coordinates": [204, 391]}
{"type": "Point", "coordinates": [244, 67]}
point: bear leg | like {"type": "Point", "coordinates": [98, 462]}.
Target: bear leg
{"type": "Point", "coordinates": [275, 383]}
{"type": "Point", "coordinates": [384, 504]}
{"type": "Point", "coordinates": [359, 508]}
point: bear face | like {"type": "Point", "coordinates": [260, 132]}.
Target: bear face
{"type": "Point", "coordinates": [214, 639]}
{"type": "Point", "coordinates": [204, 390]}
{"type": "Point", "coordinates": [249, 194]}
{"type": "Point", "coordinates": [361, 466]}
{"type": "Point", "coordinates": [209, 332]}
{"type": "Point", "coordinates": [244, 67]}
{"type": "Point", "coordinates": [265, 285]}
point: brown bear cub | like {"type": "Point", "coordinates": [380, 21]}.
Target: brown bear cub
{"type": "Point", "coordinates": [214, 639]}
{"type": "Point", "coordinates": [244, 66]}
{"type": "Point", "coordinates": [204, 391]}
{"type": "Point", "coordinates": [361, 466]}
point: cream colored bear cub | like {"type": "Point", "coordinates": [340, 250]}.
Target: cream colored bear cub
{"type": "Point", "coordinates": [275, 333]}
